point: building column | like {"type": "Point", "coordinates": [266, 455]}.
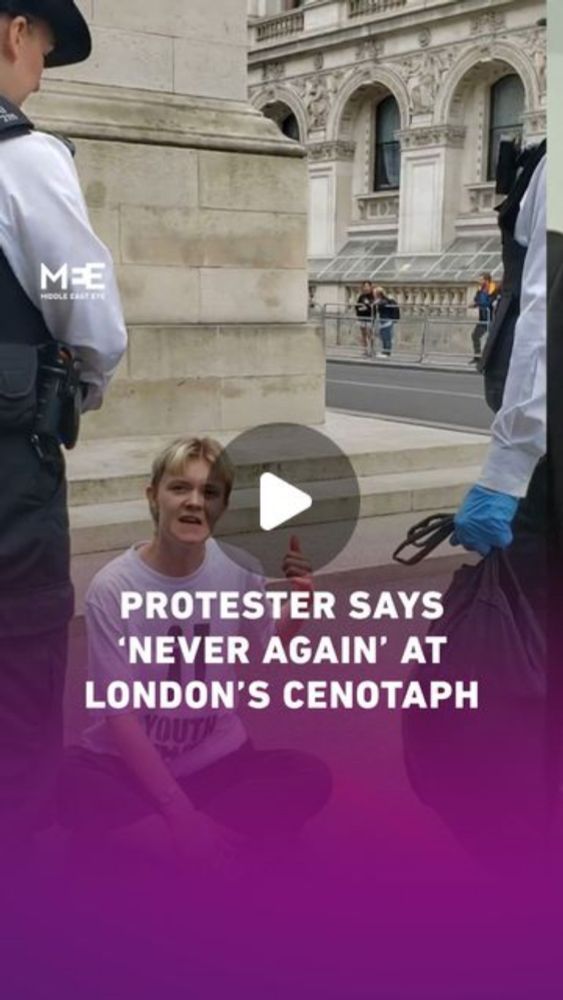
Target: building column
{"type": "Point", "coordinates": [330, 196]}
{"type": "Point", "coordinates": [430, 187]}
{"type": "Point", "coordinates": [535, 126]}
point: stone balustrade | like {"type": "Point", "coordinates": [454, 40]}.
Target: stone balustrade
{"type": "Point", "coordinates": [362, 8]}
{"type": "Point", "coordinates": [482, 198]}
{"type": "Point", "coordinates": [383, 206]}
{"type": "Point", "coordinates": [432, 300]}
{"type": "Point", "coordinates": [279, 27]}
{"type": "Point", "coordinates": [380, 206]}
{"type": "Point", "coordinates": [439, 300]}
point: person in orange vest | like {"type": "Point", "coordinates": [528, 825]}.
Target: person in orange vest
{"type": "Point", "coordinates": [484, 301]}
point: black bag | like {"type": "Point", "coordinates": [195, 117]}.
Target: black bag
{"type": "Point", "coordinates": [394, 310]}
{"type": "Point", "coordinates": [388, 309]}
{"type": "Point", "coordinates": [484, 770]}
{"type": "Point", "coordinates": [18, 386]}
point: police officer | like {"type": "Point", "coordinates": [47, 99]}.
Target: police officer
{"type": "Point", "coordinates": [514, 177]}
{"type": "Point", "coordinates": [514, 466]}
{"type": "Point", "coordinates": [555, 514]}
{"type": "Point", "coordinates": [44, 227]}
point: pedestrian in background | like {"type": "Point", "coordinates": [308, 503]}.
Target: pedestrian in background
{"type": "Point", "coordinates": [387, 313]}
{"type": "Point", "coordinates": [365, 311]}
{"type": "Point", "coordinates": [484, 301]}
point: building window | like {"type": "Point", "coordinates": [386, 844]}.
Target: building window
{"type": "Point", "coordinates": [290, 127]}
{"type": "Point", "coordinates": [505, 117]}
{"type": "Point", "coordinates": [284, 119]}
{"type": "Point", "coordinates": [387, 147]}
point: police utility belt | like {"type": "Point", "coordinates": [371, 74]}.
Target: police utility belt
{"type": "Point", "coordinates": [40, 394]}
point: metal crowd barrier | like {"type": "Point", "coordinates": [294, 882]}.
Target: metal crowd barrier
{"type": "Point", "coordinates": [419, 339]}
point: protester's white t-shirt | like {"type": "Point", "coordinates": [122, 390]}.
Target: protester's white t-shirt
{"type": "Point", "coordinates": [187, 739]}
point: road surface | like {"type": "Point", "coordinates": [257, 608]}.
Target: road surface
{"type": "Point", "coordinates": [446, 398]}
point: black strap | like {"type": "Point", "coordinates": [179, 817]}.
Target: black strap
{"type": "Point", "coordinates": [425, 536]}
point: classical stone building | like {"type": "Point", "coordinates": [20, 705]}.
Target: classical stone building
{"type": "Point", "coordinates": [401, 105]}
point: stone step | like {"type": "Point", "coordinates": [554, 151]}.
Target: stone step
{"type": "Point", "coordinates": [115, 471]}
{"type": "Point", "coordinates": [105, 527]}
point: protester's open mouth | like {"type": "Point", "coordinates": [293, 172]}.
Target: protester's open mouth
{"type": "Point", "coordinates": [191, 519]}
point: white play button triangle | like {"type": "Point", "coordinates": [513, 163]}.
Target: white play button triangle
{"type": "Point", "coordinates": [280, 501]}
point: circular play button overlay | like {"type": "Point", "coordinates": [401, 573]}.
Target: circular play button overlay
{"type": "Point", "coordinates": [290, 480]}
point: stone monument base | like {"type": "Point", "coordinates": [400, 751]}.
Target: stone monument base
{"type": "Point", "coordinates": [203, 203]}
{"type": "Point", "coordinates": [186, 379]}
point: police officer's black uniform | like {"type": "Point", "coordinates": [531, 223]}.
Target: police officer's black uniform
{"type": "Point", "coordinates": [36, 600]}
{"type": "Point", "coordinates": [36, 596]}
{"type": "Point", "coordinates": [528, 551]}
{"type": "Point", "coordinates": [495, 360]}
{"type": "Point", "coordinates": [555, 519]}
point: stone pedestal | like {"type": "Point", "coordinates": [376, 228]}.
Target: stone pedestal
{"type": "Point", "coordinates": [204, 205]}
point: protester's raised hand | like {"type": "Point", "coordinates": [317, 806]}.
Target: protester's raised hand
{"type": "Point", "coordinates": [297, 567]}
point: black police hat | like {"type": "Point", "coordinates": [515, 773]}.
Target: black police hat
{"type": "Point", "coordinates": [73, 42]}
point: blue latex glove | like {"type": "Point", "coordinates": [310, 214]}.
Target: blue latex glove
{"type": "Point", "coordinates": [483, 522]}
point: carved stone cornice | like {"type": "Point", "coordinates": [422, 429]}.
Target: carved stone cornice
{"type": "Point", "coordinates": [487, 23]}
{"type": "Point", "coordinates": [372, 49]}
{"type": "Point", "coordinates": [535, 123]}
{"type": "Point", "coordinates": [273, 70]}
{"type": "Point", "coordinates": [432, 135]}
{"type": "Point", "coordinates": [88, 111]}
{"type": "Point", "coordinates": [319, 151]}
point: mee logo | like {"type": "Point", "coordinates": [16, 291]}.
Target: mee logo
{"type": "Point", "coordinates": [71, 283]}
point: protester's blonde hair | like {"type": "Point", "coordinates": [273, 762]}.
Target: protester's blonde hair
{"type": "Point", "coordinates": [172, 459]}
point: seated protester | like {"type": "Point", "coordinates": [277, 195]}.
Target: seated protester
{"type": "Point", "coordinates": [388, 313]}
{"type": "Point", "coordinates": [196, 767]}
{"type": "Point", "coordinates": [365, 311]}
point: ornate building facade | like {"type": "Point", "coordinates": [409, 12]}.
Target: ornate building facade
{"type": "Point", "coordinates": [401, 105]}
